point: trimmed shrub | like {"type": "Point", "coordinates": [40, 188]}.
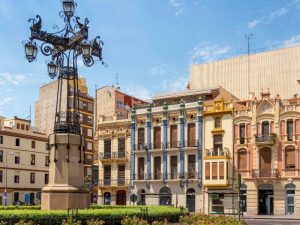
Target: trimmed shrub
{"type": "Point", "coordinates": [203, 219]}
{"type": "Point", "coordinates": [134, 221]}
{"type": "Point", "coordinates": [95, 222]}
{"type": "Point", "coordinates": [71, 221]}
{"type": "Point", "coordinates": [23, 222]}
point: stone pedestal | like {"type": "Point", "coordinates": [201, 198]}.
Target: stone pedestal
{"type": "Point", "coordinates": [66, 174]}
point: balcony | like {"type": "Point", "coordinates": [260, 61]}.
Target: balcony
{"type": "Point", "coordinates": [268, 139]}
{"type": "Point", "coordinates": [122, 182]}
{"type": "Point", "coordinates": [217, 153]}
{"type": "Point", "coordinates": [107, 156]}
{"type": "Point", "coordinates": [157, 146]}
{"type": "Point", "coordinates": [140, 147]}
{"type": "Point", "coordinates": [265, 173]}
{"type": "Point", "coordinates": [191, 144]}
{"type": "Point", "coordinates": [173, 144]}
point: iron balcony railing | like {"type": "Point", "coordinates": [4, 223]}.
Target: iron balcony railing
{"type": "Point", "coordinates": [169, 176]}
{"type": "Point", "coordinates": [157, 145]}
{"type": "Point", "coordinates": [242, 140]}
{"type": "Point", "coordinates": [264, 173]}
{"type": "Point", "coordinates": [191, 143]}
{"type": "Point", "coordinates": [217, 152]}
{"type": "Point", "coordinates": [113, 155]}
{"type": "Point", "coordinates": [113, 182]}
{"type": "Point", "coordinates": [265, 138]}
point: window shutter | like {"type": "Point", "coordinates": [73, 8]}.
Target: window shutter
{"type": "Point", "coordinates": [141, 138]}
{"type": "Point", "coordinates": [221, 170]}
{"type": "Point", "coordinates": [242, 160]}
{"type": "Point", "coordinates": [290, 158]}
{"type": "Point", "coordinates": [121, 144]}
{"type": "Point", "coordinates": [157, 137]}
{"type": "Point", "coordinates": [191, 135]}
{"type": "Point", "coordinates": [214, 170]}
{"type": "Point", "coordinates": [173, 137]}
{"type": "Point", "coordinates": [207, 171]}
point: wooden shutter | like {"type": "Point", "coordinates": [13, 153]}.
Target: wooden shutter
{"type": "Point", "coordinates": [282, 127]}
{"type": "Point", "coordinates": [297, 126]}
{"type": "Point", "coordinates": [107, 172]}
{"type": "Point", "coordinates": [107, 146]}
{"type": "Point", "coordinates": [174, 136]}
{"type": "Point", "coordinates": [242, 160]}
{"type": "Point", "coordinates": [157, 137]}
{"type": "Point", "coordinates": [214, 170]}
{"type": "Point", "coordinates": [221, 170]}
{"type": "Point", "coordinates": [173, 167]}
{"type": "Point", "coordinates": [191, 134]}
{"type": "Point", "coordinates": [207, 170]}
{"type": "Point", "coordinates": [141, 138]}
{"type": "Point", "coordinates": [290, 158]}
{"type": "Point", "coordinates": [265, 159]}
{"type": "Point", "coordinates": [121, 174]}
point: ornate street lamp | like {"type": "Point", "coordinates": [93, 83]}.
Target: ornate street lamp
{"type": "Point", "coordinates": [64, 47]}
{"type": "Point", "coordinates": [30, 51]}
{"type": "Point", "coordinates": [52, 69]}
{"type": "Point", "coordinates": [69, 7]}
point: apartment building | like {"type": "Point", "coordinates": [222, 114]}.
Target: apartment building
{"type": "Point", "coordinates": [112, 141]}
{"type": "Point", "coordinates": [220, 194]}
{"type": "Point", "coordinates": [45, 109]}
{"type": "Point", "coordinates": [266, 146]}
{"type": "Point", "coordinates": [166, 157]}
{"type": "Point", "coordinates": [24, 162]}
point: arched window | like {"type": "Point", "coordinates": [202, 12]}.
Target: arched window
{"type": "Point", "coordinates": [165, 196]}
{"type": "Point", "coordinates": [107, 198]}
{"type": "Point", "coordinates": [290, 157]}
{"type": "Point", "coordinates": [290, 190]}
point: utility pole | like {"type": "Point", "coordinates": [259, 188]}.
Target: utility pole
{"type": "Point", "coordinates": [248, 37]}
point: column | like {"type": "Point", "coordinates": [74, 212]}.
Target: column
{"type": "Point", "coordinates": [182, 139]}
{"type": "Point", "coordinates": [148, 142]}
{"type": "Point", "coordinates": [200, 134]}
{"type": "Point", "coordinates": [132, 151]}
{"type": "Point", "coordinates": [165, 139]}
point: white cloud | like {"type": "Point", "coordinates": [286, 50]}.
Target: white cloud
{"type": "Point", "coordinates": [294, 40]}
{"type": "Point", "coordinates": [138, 91]}
{"type": "Point", "coordinates": [15, 79]}
{"type": "Point", "coordinates": [174, 84]}
{"type": "Point", "coordinates": [278, 13]}
{"type": "Point", "coordinates": [253, 23]}
{"type": "Point", "coordinates": [4, 102]}
{"type": "Point", "coordinates": [207, 53]}
{"type": "Point", "coordinates": [178, 6]}
{"type": "Point", "coordinates": [157, 70]}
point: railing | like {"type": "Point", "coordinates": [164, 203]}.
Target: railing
{"type": "Point", "coordinates": [157, 145]}
{"type": "Point", "coordinates": [170, 176]}
{"type": "Point", "coordinates": [173, 144]}
{"type": "Point", "coordinates": [113, 155]}
{"type": "Point", "coordinates": [191, 143]}
{"type": "Point", "coordinates": [113, 182]}
{"type": "Point", "coordinates": [140, 147]}
{"type": "Point", "coordinates": [217, 152]}
{"type": "Point", "coordinates": [265, 138]}
{"type": "Point", "coordinates": [242, 140]}
{"type": "Point", "coordinates": [261, 173]}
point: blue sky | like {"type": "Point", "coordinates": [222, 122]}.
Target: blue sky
{"type": "Point", "coordinates": [150, 44]}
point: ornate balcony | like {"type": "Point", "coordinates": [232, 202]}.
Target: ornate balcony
{"type": "Point", "coordinates": [211, 153]}
{"type": "Point", "coordinates": [265, 173]}
{"type": "Point", "coordinates": [191, 144]}
{"type": "Point", "coordinates": [120, 155]}
{"type": "Point", "coordinates": [262, 139]}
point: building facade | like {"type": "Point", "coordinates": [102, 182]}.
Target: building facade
{"type": "Point", "coordinates": [166, 157]}
{"type": "Point", "coordinates": [24, 162]}
{"type": "Point", "coordinates": [266, 146]}
{"type": "Point", "coordinates": [220, 194]}
{"type": "Point", "coordinates": [112, 141]}
{"type": "Point", "coordinates": [45, 109]}
{"type": "Point", "coordinates": [246, 76]}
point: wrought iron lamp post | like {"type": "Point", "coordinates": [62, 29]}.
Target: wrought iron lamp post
{"type": "Point", "coordinates": [65, 46]}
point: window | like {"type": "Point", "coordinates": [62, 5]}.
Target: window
{"type": "Point", "coordinates": [80, 117]}
{"type": "Point", "coordinates": [290, 130]}
{"type": "Point", "coordinates": [32, 162]}
{"type": "Point", "coordinates": [17, 159]}
{"type": "Point", "coordinates": [18, 126]}
{"type": "Point", "coordinates": [90, 107]}
{"type": "Point", "coordinates": [107, 175]}
{"type": "Point", "coordinates": [1, 155]}
{"type": "Point", "coordinates": [22, 126]}
{"type": "Point", "coordinates": [16, 196]}
{"type": "Point", "coordinates": [17, 142]}
{"type": "Point", "coordinates": [221, 170]}
{"type": "Point", "coordinates": [157, 168]}
{"type": "Point", "coordinates": [90, 132]}
{"type": "Point", "coordinates": [265, 129]}
{"type": "Point", "coordinates": [1, 176]}
{"type": "Point", "coordinates": [207, 171]}
{"type": "Point", "coordinates": [192, 135]}
{"type": "Point", "coordinates": [290, 162]}
{"type": "Point", "coordinates": [46, 160]}
{"type": "Point", "coordinates": [27, 127]}
{"type": "Point", "coordinates": [89, 145]}
{"type": "Point", "coordinates": [157, 138]}
{"type": "Point", "coordinates": [173, 136]}
{"type": "Point", "coordinates": [121, 147]}
{"type": "Point", "coordinates": [32, 178]}
{"type": "Point", "coordinates": [46, 178]}
{"type": "Point", "coordinates": [32, 144]}
{"type": "Point", "coordinates": [242, 159]}
{"type": "Point", "coordinates": [121, 175]}
{"type": "Point", "coordinates": [173, 167]}
{"type": "Point", "coordinates": [218, 143]}
{"type": "Point", "coordinates": [141, 138]}
{"type": "Point", "coordinates": [17, 179]}
{"type": "Point", "coordinates": [1, 139]}
{"type": "Point", "coordinates": [107, 148]}
{"type": "Point", "coordinates": [90, 119]}
{"type": "Point", "coordinates": [214, 170]}
{"type": "Point", "coordinates": [242, 133]}
{"type": "Point", "coordinates": [141, 168]}
{"type": "Point", "coordinates": [191, 166]}
{"type": "Point", "coordinates": [218, 122]}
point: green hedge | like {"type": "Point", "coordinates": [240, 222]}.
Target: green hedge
{"type": "Point", "coordinates": [107, 213]}
{"type": "Point", "coordinates": [21, 207]}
